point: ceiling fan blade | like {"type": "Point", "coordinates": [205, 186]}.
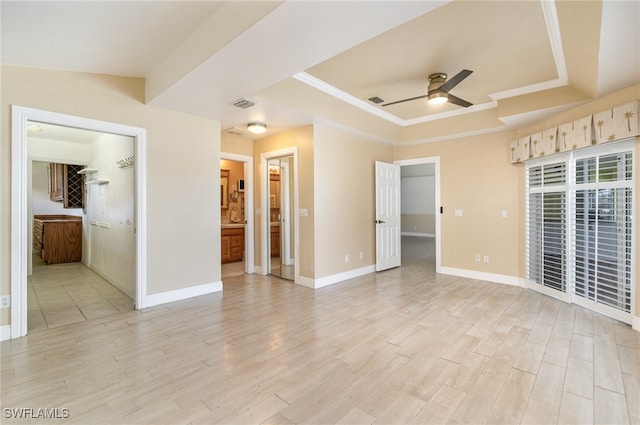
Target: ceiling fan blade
{"type": "Point", "coordinates": [455, 80]}
{"type": "Point", "coordinates": [405, 100]}
{"type": "Point", "coordinates": [457, 101]}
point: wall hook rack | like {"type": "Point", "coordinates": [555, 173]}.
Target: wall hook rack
{"type": "Point", "coordinates": [126, 162]}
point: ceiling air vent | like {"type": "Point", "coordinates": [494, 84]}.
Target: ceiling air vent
{"type": "Point", "coordinates": [243, 103]}
{"type": "Point", "coordinates": [376, 99]}
{"type": "Point", "coordinates": [234, 130]}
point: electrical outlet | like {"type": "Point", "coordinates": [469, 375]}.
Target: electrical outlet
{"type": "Point", "coordinates": [346, 258]}
{"type": "Point", "coordinates": [477, 258]}
{"type": "Point", "coordinates": [361, 255]}
{"type": "Point", "coordinates": [486, 259]}
{"type": "Point", "coordinates": [6, 301]}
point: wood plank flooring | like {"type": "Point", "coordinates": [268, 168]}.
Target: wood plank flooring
{"type": "Point", "coordinates": [405, 346]}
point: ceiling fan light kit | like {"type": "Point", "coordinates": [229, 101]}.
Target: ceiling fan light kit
{"type": "Point", "coordinates": [438, 98]}
{"type": "Point", "coordinates": [438, 90]}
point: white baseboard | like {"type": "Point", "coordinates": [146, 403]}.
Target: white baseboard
{"type": "Point", "coordinates": [182, 294]}
{"type": "Point", "coordinates": [5, 332]}
{"type": "Point", "coordinates": [335, 278]}
{"type": "Point", "coordinates": [635, 323]}
{"type": "Point", "coordinates": [489, 277]}
{"type": "Point", "coordinates": [420, 235]}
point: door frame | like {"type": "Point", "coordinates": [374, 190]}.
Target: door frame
{"type": "Point", "coordinates": [436, 161]}
{"type": "Point", "coordinates": [20, 248]}
{"type": "Point", "coordinates": [264, 208]}
{"type": "Point", "coordinates": [249, 252]}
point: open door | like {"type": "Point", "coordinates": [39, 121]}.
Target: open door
{"type": "Point", "coordinates": [388, 245]}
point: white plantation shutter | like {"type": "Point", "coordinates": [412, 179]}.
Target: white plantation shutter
{"type": "Point", "coordinates": [547, 225]}
{"type": "Point", "coordinates": [579, 228]}
{"type": "Point", "coordinates": [602, 234]}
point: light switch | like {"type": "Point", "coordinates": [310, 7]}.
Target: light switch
{"type": "Point", "coordinates": [458, 213]}
{"type": "Point", "coordinates": [503, 214]}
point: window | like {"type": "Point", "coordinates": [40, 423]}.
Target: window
{"type": "Point", "coordinates": [580, 230]}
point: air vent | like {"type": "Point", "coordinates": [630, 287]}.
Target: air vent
{"type": "Point", "coordinates": [234, 130]}
{"type": "Point", "coordinates": [243, 103]}
{"type": "Point", "coordinates": [376, 99]}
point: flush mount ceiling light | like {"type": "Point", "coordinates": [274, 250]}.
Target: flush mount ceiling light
{"type": "Point", "coordinates": [257, 127]}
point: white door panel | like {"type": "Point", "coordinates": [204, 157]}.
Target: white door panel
{"type": "Point", "coordinates": [388, 248]}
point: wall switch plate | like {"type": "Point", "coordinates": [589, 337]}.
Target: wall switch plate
{"type": "Point", "coordinates": [458, 213]}
{"type": "Point", "coordinates": [346, 258]}
{"type": "Point", "coordinates": [303, 212]}
{"type": "Point", "coordinates": [503, 214]}
{"type": "Point", "coordinates": [486, 259]}
{"type": "Point", "coordinates": [477, 258]}
{"type": "Point", "coordinates": [6, 301]}
{"type": "Point", "coordinates": [361, 255]}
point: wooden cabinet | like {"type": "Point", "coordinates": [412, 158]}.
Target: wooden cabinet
{"type": "Point", "coordinates": [58, 238]}
{"type": "Point", "coordinates": [275, 241]}
{"type": "Point", "coordinates": [56, 182]}
{"type": "Point", "coordinates": [66, 185]}
{"type": "Point", "coordinates": [232, 244]}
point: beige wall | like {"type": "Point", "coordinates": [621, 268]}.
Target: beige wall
{"type": "Point", "coordinates": [345, 199]}
{"type": "Point", "coordinates": [418, 223]}
{"type": "Point", "coordinates": [302, 138]}
{"type": "Point", "coordinates": [476, 177]}
{"type": "Point", "coordinates": [182, 176]}
{"type": "Point", "coordinates": [230, 143]}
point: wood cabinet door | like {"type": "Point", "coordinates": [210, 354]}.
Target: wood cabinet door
{"type": "Point", "coordinates": [56, 181]}
{"type": "Point", "coordinates": [225, 248]}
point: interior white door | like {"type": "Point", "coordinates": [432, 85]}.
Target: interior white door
{"type": "Point", "coordinates": [388, 248]}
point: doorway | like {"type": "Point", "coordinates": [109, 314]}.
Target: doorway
{"type": "Point", "coordinates": [279, 221]}
{"type": "Point", "coordinates": [281, 232]}
{"type": "Point", "coordinates": [420, 206]}
{"type": "Point", "coordinates": [21, 248]}
{"type": "Point", "coordinates": [240, 195]}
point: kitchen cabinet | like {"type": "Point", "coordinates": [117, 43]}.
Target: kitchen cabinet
{"type": "Point", "coordinates": [58, 238]}
{"type": "Point", "coordinates": [232, 244]}
{"type": "Point", "coordinates": [66, 185]}
{"type": "Point", "coordinates": [56, 182]}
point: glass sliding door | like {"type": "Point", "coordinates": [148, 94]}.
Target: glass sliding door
{"type": "Point", "coordinates": [602, 236]}
{"type": "Point", "coordinates": [580, 243]}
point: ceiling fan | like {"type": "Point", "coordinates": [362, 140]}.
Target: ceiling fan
{"type": "Point", "coordinates": [438, 91]}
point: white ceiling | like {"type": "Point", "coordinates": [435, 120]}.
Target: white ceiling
{"type": "Point", "coordinates": [316, 61]}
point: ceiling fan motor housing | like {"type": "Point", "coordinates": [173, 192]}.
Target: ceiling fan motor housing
{"type": "Point", "coordinates": [436, 80]}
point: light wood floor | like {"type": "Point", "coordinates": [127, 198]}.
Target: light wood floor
{"type": "Point", "coordinates": [405, 346]}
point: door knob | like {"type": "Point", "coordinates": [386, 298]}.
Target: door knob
{"type": "Point", "coordinates": [380, 221]}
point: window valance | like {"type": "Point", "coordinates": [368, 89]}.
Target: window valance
{"type": "Point", "coordinates": [617, 123]}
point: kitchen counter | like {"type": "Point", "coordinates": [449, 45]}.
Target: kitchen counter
{"type": "Point", "coordinates": [232, 225]}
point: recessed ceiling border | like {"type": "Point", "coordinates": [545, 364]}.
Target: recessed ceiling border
{"type": "Point", "coordinates": [555, 40]}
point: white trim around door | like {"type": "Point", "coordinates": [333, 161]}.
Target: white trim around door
{"type": "Point", "coordinates": [20, 248]}
{"type": "Point", "coordinates": [436, 161]}
{"type": "Point", "coordinates": [264, 210]}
